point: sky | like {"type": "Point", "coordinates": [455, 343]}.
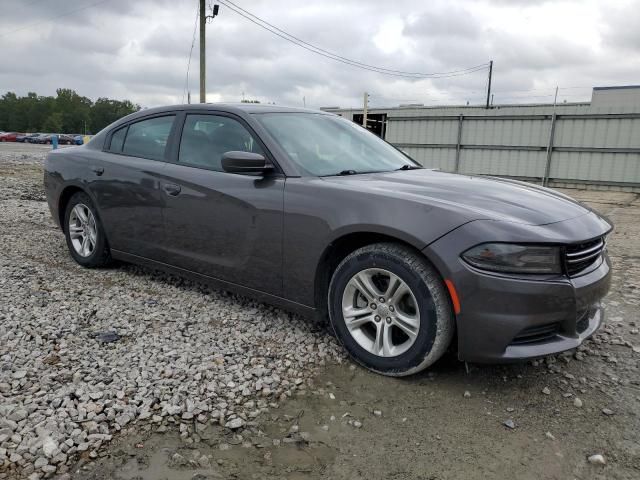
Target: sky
{"type": "Point", "coordinates": [139, 50]}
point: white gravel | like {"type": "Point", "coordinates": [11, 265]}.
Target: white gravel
{"type": "Point", "coordinates": [184, 354]}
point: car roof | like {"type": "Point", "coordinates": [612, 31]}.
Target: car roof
{"type": "Point", "coordinates": [229, 107]}
{"type": "Point", "coordinates": [241, 109]}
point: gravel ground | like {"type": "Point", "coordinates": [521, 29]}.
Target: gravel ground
{"type": "Point", "coordinates": [128, 373]}
{"type": "Point", "coordinates": [181, 352]}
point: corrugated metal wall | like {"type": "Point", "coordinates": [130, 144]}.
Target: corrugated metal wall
{"type": "Point", "coordinates": [590, 146]}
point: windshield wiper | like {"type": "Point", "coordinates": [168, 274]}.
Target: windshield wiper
{"type": "Point", "coordinates": [344, 173]}
{"type": "Point", "coordinates": [406, 166]}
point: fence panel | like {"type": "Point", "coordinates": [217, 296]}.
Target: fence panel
{"type": "Point", "coordinates": [590, 146]}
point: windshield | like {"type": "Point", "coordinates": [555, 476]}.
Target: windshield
{"type": "Point", "coordinates": [326, 145]}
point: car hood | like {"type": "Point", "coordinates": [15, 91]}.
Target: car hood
{"type": "Point", "coordinates": [475, 197]}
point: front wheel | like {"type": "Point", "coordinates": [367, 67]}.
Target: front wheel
{"type": "Point", "coordinates": [389, 308]}
{"type": "Point", "coordinates": [84, 233]}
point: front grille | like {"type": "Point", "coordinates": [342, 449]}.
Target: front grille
{"type": "Point", "coordinates": [537, 334]}
{"type": "Point", "coordinates": [580, 257]}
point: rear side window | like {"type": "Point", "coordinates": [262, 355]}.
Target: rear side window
{"type": "Point", "coordinates": [117, 139]}
{"type": "Point", "coordinates": [148, 138]}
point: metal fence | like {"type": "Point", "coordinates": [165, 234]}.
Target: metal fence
{"type": "Point", "coordinates": [567, 145]}
{"type": "Point", "coordinates": [571, 145]}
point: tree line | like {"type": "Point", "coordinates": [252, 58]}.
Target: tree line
{"type": "Point", "coordinates": [67, 112]}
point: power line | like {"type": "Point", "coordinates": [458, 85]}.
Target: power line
{"type": "Point", "coordinates": [344, 58]}
{"type": "Point", "coordinates": [193, 42]}
{"type": "Point", "coordinates": [333, 56]}
{"type": "Point", "coordinates": [63, 14]}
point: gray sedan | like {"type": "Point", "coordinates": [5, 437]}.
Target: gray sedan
{"type": "Point", "coordinates": [308, 211]}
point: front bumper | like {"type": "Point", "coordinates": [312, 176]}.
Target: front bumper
{"type": "Point", "coordinates": [506, 318]}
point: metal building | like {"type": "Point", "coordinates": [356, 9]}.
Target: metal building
{"type": "Point", "coordinates": [594, 144]}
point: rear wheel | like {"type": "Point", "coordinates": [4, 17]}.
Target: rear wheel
{"type": "Point", "coordinates": [390, 310]}
{"type": "Point", "coordinates": [84, 233]}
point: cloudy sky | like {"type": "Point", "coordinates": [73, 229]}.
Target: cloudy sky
{"type": "Point", "coordinates": [139, 50]}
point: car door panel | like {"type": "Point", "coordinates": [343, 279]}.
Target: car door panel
{"type": "Point", "coordinates": [226, 226]}
{"type": "Point", "coordinates": [127, 190]}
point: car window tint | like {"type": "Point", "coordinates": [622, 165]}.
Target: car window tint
{"type": "Point", "coordinates": [205, 138]}
{"type": "Point", "coordinates": [117, 139]}
{"type": "Point", "coordinates": [148, 138]}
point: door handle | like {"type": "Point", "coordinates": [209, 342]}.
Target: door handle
{"type": "Point", "coordinates": [171, 189]}
{"type": "Point", "coordinates": [98, 170]}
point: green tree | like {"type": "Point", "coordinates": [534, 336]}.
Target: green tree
{"type": "Point", "coordinates": [67, 112]}
{"type": "Point", "coordinates": [53, 123]}
{"type": "Point", "coordinates": [74, 110]}
{"type": "Point", "coordinates": [106, 111]}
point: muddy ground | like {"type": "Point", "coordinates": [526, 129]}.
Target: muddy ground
{"type": "Point", "coordinates": [446, 423]}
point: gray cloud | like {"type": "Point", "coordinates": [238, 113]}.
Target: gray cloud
{"type": "Point", "coordinates": [138, 50]}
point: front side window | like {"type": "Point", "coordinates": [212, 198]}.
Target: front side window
{"type": "Point", "coordinates": [148, 138]}
{"type": "Point", "coordinates": [205, 138]}
{"type": "Point", "coordinates": [330, 145]}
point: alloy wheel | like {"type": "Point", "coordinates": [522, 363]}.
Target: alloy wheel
{"type": "Point", "coordinates": [83, 230]}
{"type": "Point", "coordinates": [381, 312]}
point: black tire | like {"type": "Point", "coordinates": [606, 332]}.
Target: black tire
{"type": "Point", "coordinates": [100, 255]}
{"type": "Point", "coordinates": [435, 312]}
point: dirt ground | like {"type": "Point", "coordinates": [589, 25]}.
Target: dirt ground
{"type": "Point", "coordinates": [446, 423]}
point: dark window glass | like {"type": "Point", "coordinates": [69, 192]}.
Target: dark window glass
{"type": "Point", "coordinates": [117, 139]}
{"type": "Point", "coordinates": [148, 138]}
{"type": "Point", "coordinates": [205, 138]}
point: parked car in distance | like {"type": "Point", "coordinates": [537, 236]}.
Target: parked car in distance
{"type": "Point", "coordinates": [309, 211]}
{"type": "Point", "coordinates": [64, 139]}
{"type": "Point", "coordinates": [9, 136]}
{"type": "Point", "coordinates": [25, 137]}
{"type": "Point", "coordinates": [42, 138]}
{"type": "Point", "coordinates": [47, 138]}
{"type": "Point", "coordinates": [78, 139]}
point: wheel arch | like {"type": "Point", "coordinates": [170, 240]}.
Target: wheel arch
{"type": "Point", "coordinates": [63, 201]}
{"type": "Point", "coordinates": [65, 195]}
{"type": "Point", "coordinates": [343, 245]}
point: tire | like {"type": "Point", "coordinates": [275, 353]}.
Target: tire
{"type": "Point", "coordinates": [97, 255]}
{"type": "Point", "coordinates": [420, 322]}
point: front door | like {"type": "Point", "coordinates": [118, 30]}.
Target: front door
{"type": "Point", "coordinates": [219, 224]}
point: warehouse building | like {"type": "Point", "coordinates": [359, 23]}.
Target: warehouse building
{"type": "Point", "coordinates": [593, 144]}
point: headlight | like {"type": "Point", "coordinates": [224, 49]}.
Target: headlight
{"type": "Point", "coordinates": [513, 258]}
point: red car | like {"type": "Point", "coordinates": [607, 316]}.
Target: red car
{"type": "Point", "coordinates": [9, 136]}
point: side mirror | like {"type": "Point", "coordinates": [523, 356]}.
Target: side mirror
{"type": "Point", "coordinates": [245, 162]}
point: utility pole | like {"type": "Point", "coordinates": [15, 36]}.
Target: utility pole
{"type": "Point", "coordinates": [203, 68]}
{"type": "Point", "coordinates": [552, 131]}
{"type": "Point", "coordinates": [365, 109]}
{"type": "Point", "coordinates": [489, 86]}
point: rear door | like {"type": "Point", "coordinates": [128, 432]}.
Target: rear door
{"type": "Point", "coordinates": [219, 224]}
{"type": "Point", "coordinates": [126, 183]}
